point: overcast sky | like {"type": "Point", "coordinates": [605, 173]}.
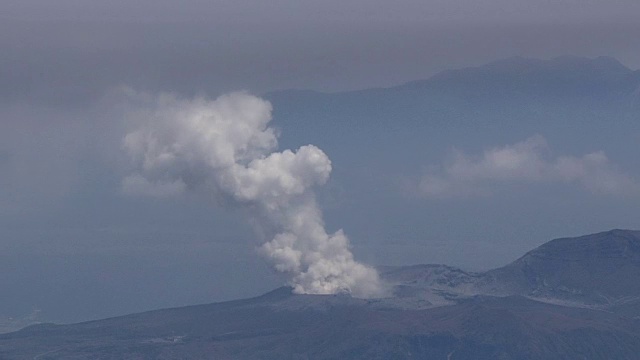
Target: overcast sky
{"type": "Point", "coordinates": [215, 46]}
{"type": "Point", "coordinates": [70, 237]}
{"type": "Point", "coordinates": [352, 11]}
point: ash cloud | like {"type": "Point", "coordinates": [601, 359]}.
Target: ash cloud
{"type": "Point", "coordinates": [225, 147]}
{"type": "Point", "coordinates": [528, 161]}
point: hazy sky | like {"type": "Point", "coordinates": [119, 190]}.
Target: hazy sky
{"type": "Point", "coordinates": [357, 12]}
{"type": "Point", "coordinates": [73, 244]}
{"type": "Point", "coordinates": [215, 46]}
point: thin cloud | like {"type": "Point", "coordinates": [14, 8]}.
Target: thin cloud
{"type": "Point", "coordinates": [529, 161]}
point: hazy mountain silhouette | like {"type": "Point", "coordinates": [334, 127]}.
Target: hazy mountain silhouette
{"type": "Point", "coordinates": [405, 128]}
{"type": "Point", "coordinates": [514, 89]}
{"type": "Point", "coordinates": [563, 300]}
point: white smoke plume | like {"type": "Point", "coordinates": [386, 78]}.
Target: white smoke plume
{"type": "Point", "coordinates": [225, 146]}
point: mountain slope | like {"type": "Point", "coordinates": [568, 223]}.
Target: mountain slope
{"type": "Point", "coordinates": [596, 269]}
{"type": "Point", "coordinates": [467, 324]}
{"type": "Point", "coordinates": [483, 328]}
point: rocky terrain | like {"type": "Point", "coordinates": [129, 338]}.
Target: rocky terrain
{"type": "Point", "coordinates": [572, 298]}
{"type": "Point", "coordinates": [595, 271]}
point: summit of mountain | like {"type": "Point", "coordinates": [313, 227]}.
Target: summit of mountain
{"type": "Point", "coordinates": [601, 268]}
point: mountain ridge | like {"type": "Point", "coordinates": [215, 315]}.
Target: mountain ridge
{"type": "Point", "coordinates": [476, 323]}
{"type": "Point", "coordinates": [597, 67]}
{"type": "Point", "coordinates": [598, 95]}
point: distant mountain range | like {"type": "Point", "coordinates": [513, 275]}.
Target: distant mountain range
{"type": "Point", "coordinates": [579, 105]}
{"type": "Point", "coordinates": [571, 298]}
{"type": "Point", "coordinates": [383, 141]}
{"type": "Point", "coordinates": [499, 102]}
{"type": "Point", "coordinates": [556, 92]}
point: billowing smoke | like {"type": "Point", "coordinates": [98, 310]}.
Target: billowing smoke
{"type": "Point", "coordinates": [226, 147]}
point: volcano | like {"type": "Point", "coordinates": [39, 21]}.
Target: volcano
{"type": "Point", "coordinates": [570, 298]}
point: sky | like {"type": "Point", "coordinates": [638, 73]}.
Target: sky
{"type": "Point", "coordinates": [78, 246]}
{"type": "Point", "coordinates": [218, 46]}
